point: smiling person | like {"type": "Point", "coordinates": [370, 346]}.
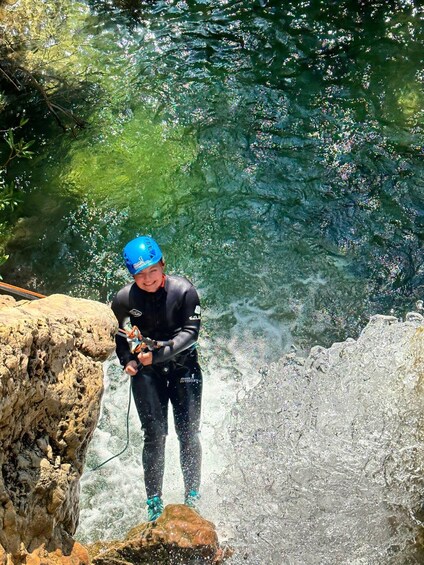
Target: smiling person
{"type": "Point", "coordinates": [163, 307]}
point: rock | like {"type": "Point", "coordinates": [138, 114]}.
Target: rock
{"type": "Point", "coordinates": [76, 555]}
{"type": "Point", "coordinates": [5, 302]}
{"type": "Point", "coordinates": [51, 382]}
{"type": "Point", "coordinates": [414, 317]}
{"type": "Point", "coordinates": [3, 556]}
{"type": "Point", "coordinates": [180, 535]}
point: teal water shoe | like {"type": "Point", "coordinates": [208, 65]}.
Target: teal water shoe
{"type": "Point", "coordinates": [154, 508]}
{"type": "Point", "coordinates": [192, 500]}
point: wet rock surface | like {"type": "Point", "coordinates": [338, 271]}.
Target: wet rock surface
{"type": "Point", "coordinates": [51, 382]}
{"type": "Point", "coordinates": [179, 536]}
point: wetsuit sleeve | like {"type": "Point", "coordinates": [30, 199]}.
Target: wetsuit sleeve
{"type": "Point", "coordinates": [189, 331]}
{"type": "Point", "coordinates": [121, 312]}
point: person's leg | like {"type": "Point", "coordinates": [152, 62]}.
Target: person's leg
{"type": "Point", "coordinates": [151, 399]}
{"type": "Point", "coordinates": [185, 392]}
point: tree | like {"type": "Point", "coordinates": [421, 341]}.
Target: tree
{"type": "Point", "coordinates": [26, 82]}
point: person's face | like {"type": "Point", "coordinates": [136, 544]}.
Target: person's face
{"type": "Point", "coordinates": [150, 279]}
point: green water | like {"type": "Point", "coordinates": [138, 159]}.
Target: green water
{"type": "Point", "coordinates": [274, 149]}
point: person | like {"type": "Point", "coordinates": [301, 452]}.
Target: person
{"type": "Point", "coordinates": [163, 307]}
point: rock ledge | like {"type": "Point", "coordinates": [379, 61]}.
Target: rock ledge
{"type": "Point", "coordinates": [51, 382]}
{"type": "Point", "coordinates": [179, 536]}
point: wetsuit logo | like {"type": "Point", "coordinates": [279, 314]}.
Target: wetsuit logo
{"type": "Point", "coordinates": [196, 315]}
{"type": "Point", "coordinates": [136, 313]}
{"type": "Point", "coordinates": [191, 379]}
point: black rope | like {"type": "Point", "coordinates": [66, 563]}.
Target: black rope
{"type": "Point", "coordinates": [128, 437]}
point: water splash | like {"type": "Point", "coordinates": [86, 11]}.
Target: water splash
{"type": "Point", "coordinates": [327, 454]}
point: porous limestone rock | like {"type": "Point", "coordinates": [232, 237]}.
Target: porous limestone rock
{"type": "Point", "coordinates": [5, 302]}
{"type": "Point", "coordinates": [72, 554]}
{"type": "Point", "coordinates": [3, 556]}
{"type": "Point", "coordinates": [179, 535]}
{"type": "Point", "coordinates": [51, 382]}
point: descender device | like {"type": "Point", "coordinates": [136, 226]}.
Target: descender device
{"type": "Point", "coordinates": [139, 343]}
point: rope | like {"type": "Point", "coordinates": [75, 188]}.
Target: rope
{"type": "Point", "coordinates": [10, 288]}
{"type": "Point", "coordinates": [128, 437]}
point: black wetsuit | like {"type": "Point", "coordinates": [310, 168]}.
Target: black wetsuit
{"type": "Point", "coordinates": [172, 312]}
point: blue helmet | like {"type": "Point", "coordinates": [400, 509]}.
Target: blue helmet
{"type": "Point", "coordinates": [140, 253]}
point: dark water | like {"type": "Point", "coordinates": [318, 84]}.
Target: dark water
{"type": "Point", "coordinates": [274, 149]}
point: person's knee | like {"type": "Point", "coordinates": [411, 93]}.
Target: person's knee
{"type": "Point", "coordinates": [189, 437]}
{"type": "Point", "coordinates": [154, 434]}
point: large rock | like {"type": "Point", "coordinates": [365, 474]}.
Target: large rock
{"type": "Point", "coordinates": [51, 382]}
{"type": "Point", "coordinates": [180, 535]}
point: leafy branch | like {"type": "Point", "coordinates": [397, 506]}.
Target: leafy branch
{"type": "Point", "coordinates": [17, 148]}
{"type": "Point", "coordinates": [18, 76]}
{"type": "Point", "coordinates": [9, 198]}
{"type": "Point", "coordinates": [57, 110]}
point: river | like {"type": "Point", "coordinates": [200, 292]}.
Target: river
{"type": "Point", "coordinates": [274, 149]}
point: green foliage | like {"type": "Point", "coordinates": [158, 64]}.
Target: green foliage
{"type": "Point", "coordinates": [9, 197]}
{"type": "Point", "coordinates": [17, 147]}
{"type": "Point", "coordinates": [3, 259]}
{"type": "Point", "coordinates": [3, 237]}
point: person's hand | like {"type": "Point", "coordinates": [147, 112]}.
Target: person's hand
{"type": "Point", "coordinates": [131, 368]}
{"type": "Point", "coordinates": [145, 358]}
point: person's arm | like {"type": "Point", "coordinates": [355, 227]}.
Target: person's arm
{"type": "Point", "coordinates": [189, 332]}
{"type": "Point", "coordinates": [122, 348]}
